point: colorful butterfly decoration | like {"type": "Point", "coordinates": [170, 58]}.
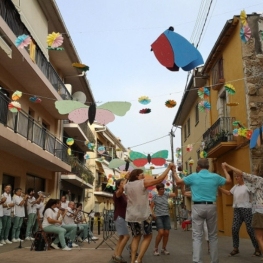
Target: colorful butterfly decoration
{"type": "Point", "coordinates": [140, 159]}
{"type": "Point", "coordinates": [122, 165]}
{"type": "Point", "coordinates": [103, 114]}
{"type": "Point", "coordinates": [204, 106]}
{"type": "Point", "coordinates": [203, 93]}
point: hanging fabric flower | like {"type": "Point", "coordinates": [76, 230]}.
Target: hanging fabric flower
{"type": "Point", "coordinates": [203, 154]}
{"type": "Point", "coordinates": [80, 66]}
{"type": "Point", "coordinates": [189, 148]}
{"type": "Point", "coordinates": [22, 41]}
{"type": "Point", "coordinates": [243, 17]}
{"type": "Point", "coordinates": [69, 141]}
{"type": "Point", "coordinates": [14, 106]}
{"type": "Point", "coordinates": [145, 111]}
{"type": "Point", "coordinates": [204, 106]}
{"type": "Point", "coordinates": [203, 93]}
{"type": "Point", "coordinates": [35, 99]}
{"type": "Point", "coordinates": [86, 156]}
{"type": "Point", "coordinates": [230, 89]}
{"type": "Point", "coordinates": [144, 100]}
{"type": "Point", "coordinates": [242, 132]}
{"type": "Point", "coordinates": [170, 103]}
{"type": "Point", "coordinates": [54, 40]}
{"type": "Point", "coordinates": [16, 95]}
{"type": "Point", "coordinates": [91, 146]}
{"type": "Point", "coordinates": [101, 149]}
{"type": "Point", "coordinates": [191, 162]}
{"type": "Point", "coordinates": [245, 33]}
{"type": "Point", "coordinates": [235, 132]}
{"type": "Point", "coordinates": [249, 134]}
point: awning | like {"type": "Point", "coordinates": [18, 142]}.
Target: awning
{"type": "Point", "coordinates": [74, 179]}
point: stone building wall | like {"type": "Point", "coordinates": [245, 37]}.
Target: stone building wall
{"type": "Point", "coordinates": [252, 52]}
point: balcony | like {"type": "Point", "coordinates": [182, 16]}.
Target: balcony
{"type": "Point", "coordinates": [39, 74]}
{"type": "Point", "coordinates": [25, 138]}
{"type": "Point", "coordinates": [80, 174]}
{"type": "Point", "coordinates": [80, 132]}
{"type": "Point", "coordinates": [219, 138]}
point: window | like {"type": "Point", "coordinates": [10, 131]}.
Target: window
{"type": "Point", "coordinates": [217, 72]}
{"type": "Point", "coordinates": [196, 114]}
{"type": "Point", "coordinates": [188, 127]}
{"type": "Point", "coordinates": [185, 132]}
{"type": "Point", "coordinates": [37, 183]}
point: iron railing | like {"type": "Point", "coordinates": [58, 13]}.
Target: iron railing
{"type": "Point", "coordinates": [220, 131]}
{"type": "Point", "coordinates": [30, 129]}
{"type": "Point", "coordinates": [11, 16]}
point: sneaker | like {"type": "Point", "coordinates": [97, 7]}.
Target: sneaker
{"type": "Point", "coordinates": [156, 252]}
{"type": "Point", "coordinates": [66, 248]}
{"type": "Point", "coordinates": [18, 240]}
{"type": "Point", "coordinates": [14, 240]}
{"type": "Point", "coordinates": [74, 245]}
{"type": "Point", "coordinates": [86, 240]}
{"type": "Point", "coordinates": [79, 239]}
{"type": "Point", "coordinates": [56, 246]}
{"type": "Point", "coordinates": [119, 259]}
{"type": "Point", "coordinates": [94, 238]}
{"type": "Point", "coordinates": [32, 239]}
{"type": "Point", "coordinates": [165, 252]}
{"type": "Point", "coordinates": [2, 242]}
{"type": "Point", "coordinates": [28, 238]}
{"type": "Point", "coordinates": [8, 242]}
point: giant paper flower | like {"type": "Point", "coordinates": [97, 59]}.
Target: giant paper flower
{"type": "Point", "coordinates": [245, 33]}
{"type": "Point", "coordinates": [16, 95]}
{"type": "Point", "coordinates": [144, 100]}
{"type": "Point", "coordinates": [243, 17]}
{"type": "Point", "coordinates": [35, 99]}
{"type": "Point", "coordinates": [22, 41]}
{"type": "Point", "coordinates": [235, 132]}
{"type": "Point", "coordinates": [14, 106]}
{"type": "Point", "coordinates": [80, 66]}
{"type": "Point", "coordinates": [203, 154]}
{"type": "Point", "coordinates": [204, 105]}
{"type": "Point", "coordinates": [230, 89]}
{"type": "Point", "coordinates": [203, 93]}
{"type": "Point", "coordinates": [54, 40]}
{"type": "Point", "coordinates": [189, 147]}
{"type": "Point", "coordinates": [145, 111]}
{"type": "Point", "coordinates": [249, 134]}
{"type": "Point", "coordinates": [170, 103]}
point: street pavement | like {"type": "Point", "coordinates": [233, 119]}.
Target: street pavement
{"type": "Point", "coordinates": [179, 246]}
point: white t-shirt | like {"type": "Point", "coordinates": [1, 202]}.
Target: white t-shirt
{"type": "Point", "coordinates": [40, 208]}
{"type": "Point", "coordinates": [7, 211]}
{"type": "Point", "coordinates": [31, 209]}
{"type": "Point", "coordinates": [19, 210]}
{"type": "Point", "coordinates": [241, 196]}
{"type": "Point", "coordinates": [51, 214]}
{"type": "Point", "coordinates": [64, 205]}
{"type": "Point", "coordinates": [68, 218]}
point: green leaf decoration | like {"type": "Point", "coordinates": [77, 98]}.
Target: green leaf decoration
{"type": "Point", "coordinates": [117, 107]}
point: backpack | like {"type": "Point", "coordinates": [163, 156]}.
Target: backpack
{"type": "Point", "coordinates": [39, 242]}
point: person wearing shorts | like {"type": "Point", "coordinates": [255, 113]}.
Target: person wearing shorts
{"type": "Point", "coordinates": [160, 213]}
{"type": "Point", "coordinates": [120, 204]}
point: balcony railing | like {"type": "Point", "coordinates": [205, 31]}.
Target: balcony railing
{"type": "Point", "coordinates": [11, 16]}
{"type": "Point", "coordinates": [82, 171]}
{"type": "Point", "coordinates": [220, 131]}
{"type": "Point", "coordinates": [27, 127]}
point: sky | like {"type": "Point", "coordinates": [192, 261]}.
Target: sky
{"type": "Point", "coordinates": [114, 39]}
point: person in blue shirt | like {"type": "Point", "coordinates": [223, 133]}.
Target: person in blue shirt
{"type": "Point", "coordinates": [204, 186]}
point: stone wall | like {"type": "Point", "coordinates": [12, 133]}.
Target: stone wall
{"type": "Point", "coordinates": [253, 80]}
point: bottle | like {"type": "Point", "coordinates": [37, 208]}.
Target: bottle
{"type": "Point", "coordinates": [70, 243]}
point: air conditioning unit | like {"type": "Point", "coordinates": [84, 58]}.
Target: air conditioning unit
{"type": "Point", "coordinates": [69, 88]}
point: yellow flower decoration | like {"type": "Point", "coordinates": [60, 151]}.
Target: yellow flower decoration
{"type": "Point", "coordinates": [170, 103]}
{"type": "Point", "coordinates": [54, 40]}
{"type": "Point", "coordinates": [243, 17]}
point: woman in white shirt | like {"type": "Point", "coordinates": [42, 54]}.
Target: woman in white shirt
{"type": "Point", "coordinates": [242, 212]}
{"type": "Point", "coordinates": [51, 224]}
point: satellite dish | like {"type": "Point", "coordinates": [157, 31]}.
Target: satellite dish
{"type": "Point", "coordinates": [79, 96]}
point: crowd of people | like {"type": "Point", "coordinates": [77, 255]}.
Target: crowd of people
{"type": "Point", "coordinates": [61, 217]}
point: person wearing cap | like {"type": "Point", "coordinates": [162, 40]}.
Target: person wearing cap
{"type": "Point", "coordinates": [204, 186]}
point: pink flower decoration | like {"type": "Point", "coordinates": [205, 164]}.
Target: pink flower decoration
{"type": "Point", "coordinates": [22, 41]}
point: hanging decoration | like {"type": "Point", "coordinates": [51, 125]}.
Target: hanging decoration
{"type": "Point", "coordinates": [189, 148]}
{"type": "Point", "coordinates": [92, 113]}
{"type": "Point", "coordinates": [241, 130]}
{"type": "Point", "coordinates": [105, 113]}
{"type": "Point", "coordinates": [122, 165]}
{"type": "Point", "coordinates": [232, 104]}
{"type": "Point", "coordinates": [86, 156]}
{"type": "Point", "coordinates": [69, 151]}
{"type": "Point", "coordinates": [243, 17]}
{"type": "Point", "coordinates": [170, 103]}
{"type": "Point", "coordinates": [80, 66]}
{"type": "Point", "coordinates": [204, 106]}
{"type": "Point", "coordinates": [140, 159]}
{"type": "Point", "coordinates": [184, 172]}
{"type": "Point", "coordinates": [178, 152]}
{"type": "Point", "coordinates": [22, 41]}
{"type": "Point", "coordinates": [203, 154]}
{"type": "Point", "coordinates": [14, 106]}
{"type": "Point", "coordinates": [191, 162]}
{"type": "Point", "coordinates": [16, 95]}
{"type": "Point", "coordinates": [91, 146]}
{"type": "Point", "coordinates": [69, 142]}
{"type": "Point", "coordinates": [54, 41]}
{"type": "Point", "coordinates": [111, 182]}
{"type": "Point", "coordinates": [35, 99]}
{"type": "Point", "coordinates": [245, 33]}
{"type": "Point", "coordinates": [101, 149]}
{"type": "Point", "coordinates": [230, 89]}
{"type": "Point", "coordinates": [173, 52]}
{"type": "Point", "coordinates": [203, 93]}
{"type": "Point", "coordinates": [145, 111]}
{"type": "Point", "coordinates": [235, 132]}
{"type": "Point", "coordinates": [144, 100]}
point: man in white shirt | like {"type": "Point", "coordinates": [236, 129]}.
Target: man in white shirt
{"type": "Point", "coordinates": [8, 205]}
{"type": "Point", "coordinates": [64, 202]}
{"type": "Point", "coordinates": [32, 203]}
{"type": "Point", "coordinates": [19, 202]}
